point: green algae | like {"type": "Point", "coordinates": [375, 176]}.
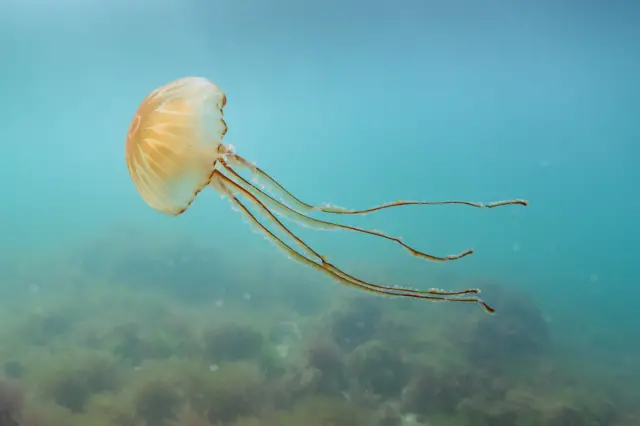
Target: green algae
{"type": "Point", "coordinates": [108, 354]}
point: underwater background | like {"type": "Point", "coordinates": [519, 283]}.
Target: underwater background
{"type": "Point", "coordinates": [112, 314]}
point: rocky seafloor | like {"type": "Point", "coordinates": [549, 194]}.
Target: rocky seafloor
{"type": "Point", "coordinates": [121, 336]}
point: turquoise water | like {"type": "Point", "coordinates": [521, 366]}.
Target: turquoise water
{"type": "Point", "coordinates": [352, 103]}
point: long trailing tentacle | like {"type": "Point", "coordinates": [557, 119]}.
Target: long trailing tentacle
{"type": "Point", "coordinates": [273, 186]}
{"type": "Point", "coordinates": [302, 219]}
{"type": "Point", "coordinates": [254, 200]}
{"type": "Point", "coordinates": [324, 267]}
{"type": "Point", "coordinates": [231, 187]}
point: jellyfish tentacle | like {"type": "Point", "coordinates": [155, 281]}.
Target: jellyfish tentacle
{"type": "Point", "coordinates": [272, 185]}
{"type": "Point", "coordinates": [320, 257]}
{"type": "Point", "coordinates": [303, 219]}
{"type": "Point", "coordinates": [230, 183]}
{"type": "Point", "coordinates": [223, 185]}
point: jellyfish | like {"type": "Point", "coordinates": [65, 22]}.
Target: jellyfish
{"type": "Point", "coordinates": [174, 149]}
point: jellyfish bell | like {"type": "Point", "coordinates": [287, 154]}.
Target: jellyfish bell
{"type": "Point", "coordinates": [173, 142]}
{"type": "Point", "coordinates": [174, 149]}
